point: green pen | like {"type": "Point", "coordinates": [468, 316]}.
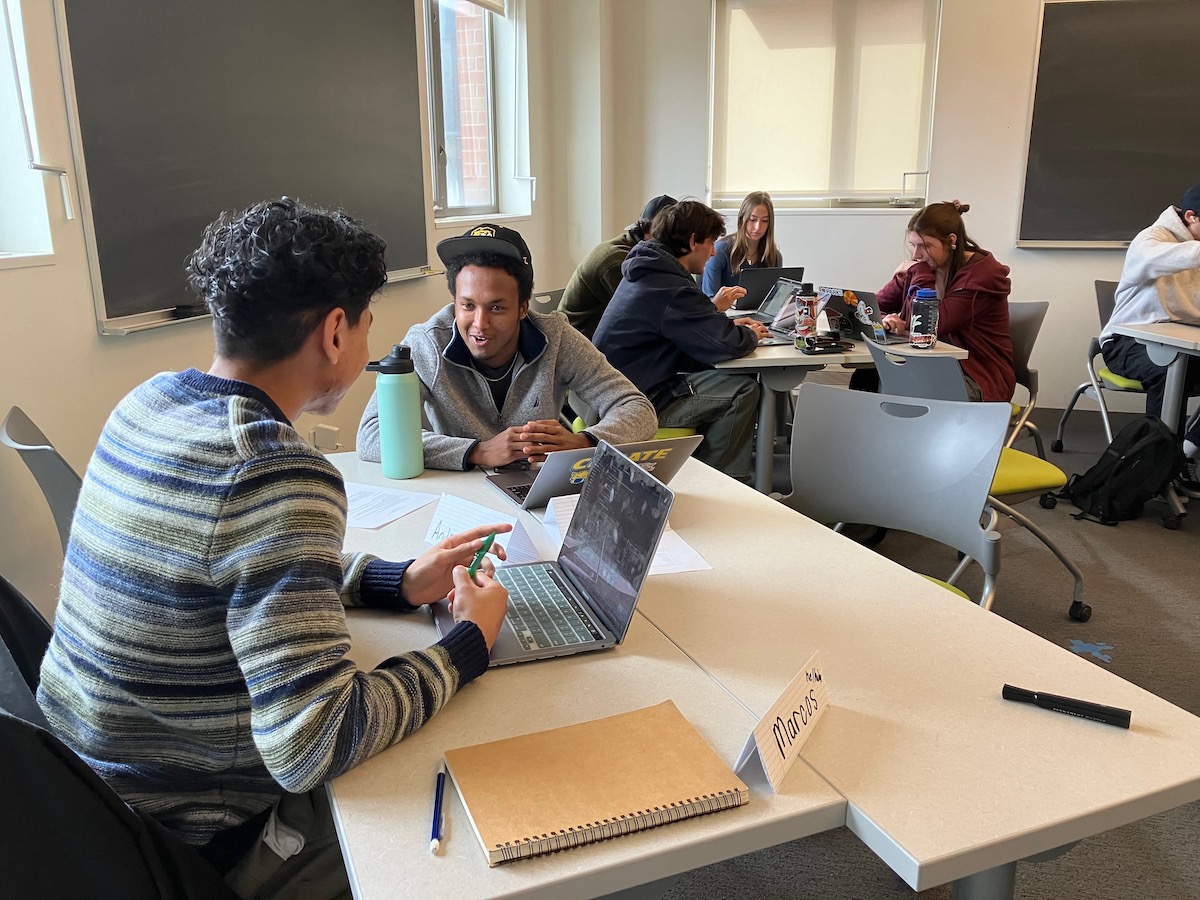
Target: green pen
{"type": "Point", "coordinates": [481, 553]}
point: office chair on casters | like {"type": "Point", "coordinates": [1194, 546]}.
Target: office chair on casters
{"type": "Point", "coordinates": [939, 466]}
{"type": "Point", "coordinates": [59, 482]}
{"type": "Point", "coordinates": [1019, 476]}
{"type": "Point", "coordinates": [1101, 379]}
{"type": "Point", "coordinates": [1024, 324]}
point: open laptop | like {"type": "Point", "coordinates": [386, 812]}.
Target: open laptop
{"type": "Point", "coordinates": [778, 312]}
{"type": "Point", "coordinates": [758, 282]}
{"type": "Point", "coordinates": [858, 316]}
{"type": "Point", "coordinates": [565, 471]}
{"type": "Point", "coordinates": [584, 600]}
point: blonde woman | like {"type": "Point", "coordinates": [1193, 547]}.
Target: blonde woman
{"type": "Point", "coordinates": [752, 246]}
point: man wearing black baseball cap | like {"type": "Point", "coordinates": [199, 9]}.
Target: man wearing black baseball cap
{"type": "Point", "coordinates": [494, 376]}
{"type": "Point", "coordinates": [1160, 282]}
{"type": "Point", "coordinates": [590, 289]}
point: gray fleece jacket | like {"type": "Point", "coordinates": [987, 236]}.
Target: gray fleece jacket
{"type": "Point", "coordinates": [553, 358]}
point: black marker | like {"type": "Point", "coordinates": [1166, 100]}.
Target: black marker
{"type": "Point", "coordinates": [1109, 715]}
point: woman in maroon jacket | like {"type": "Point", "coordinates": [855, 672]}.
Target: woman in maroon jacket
{"type": "Point", "coordinates": [973, 288]}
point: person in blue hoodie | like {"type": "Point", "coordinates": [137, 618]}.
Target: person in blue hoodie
{"type": "Point", "coordinates": [665, 335]}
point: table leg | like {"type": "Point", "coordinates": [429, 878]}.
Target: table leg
{"type": "Point", "coordinates": [990, 884]}
{"type": "Point", "coordinates": [764, 441]}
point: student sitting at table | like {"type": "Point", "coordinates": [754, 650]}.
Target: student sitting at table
{"type": "Point", "coordinates": [1160, 282]}
{"type": "Point", "coordinates": [591, 287]}
{"type": "Point", "coordinates": [665, 334]}
{"type": "Point", "coordinates": [198, 661]}
{"type": "Point", "coordinates": [973, 289]}
{"type": "Point", "coordinates": [494, 376]}
{"type": "Point", "coordinates": [752, 246]}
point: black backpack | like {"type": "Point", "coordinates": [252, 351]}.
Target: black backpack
{"type": "Point", "coordinates": [1136, 467]}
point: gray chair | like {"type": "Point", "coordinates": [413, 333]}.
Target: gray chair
{"type": "Point", "coordinates": [933, 481]}
{"type": "Point", "coordinates": [1019, 476]}
{"type": "Point", "coordinates": [545, 301]}
{"type": "Point", "coordinates": [59, 482]}
{"type": "Point", "coordinates": [1099, 379]}
{"type": "Point", "coordinates": [1024, 323]}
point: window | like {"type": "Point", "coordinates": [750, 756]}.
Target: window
{"type": "Point", "coordinates": [823, 102]}
{"type": "Point", "coordinates": [24, 222]}
{"type": "Point", "coordinates": [463, 133]}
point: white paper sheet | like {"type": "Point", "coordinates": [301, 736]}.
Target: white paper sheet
{"type": "Point", "coordinates": [454, 515]}
{"type": "Point", "coordinates": [674, 554]}
{"type": "Point", "coordinates": [370, 506]}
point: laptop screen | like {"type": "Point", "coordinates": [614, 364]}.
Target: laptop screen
{"type": "Point", "coordinates": [610, 543]}
{"type": "Point", "coordinates": [777, 298]}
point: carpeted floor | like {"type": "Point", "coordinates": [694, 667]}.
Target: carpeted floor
{"type": "Point", "coordinates": [1140, 580]}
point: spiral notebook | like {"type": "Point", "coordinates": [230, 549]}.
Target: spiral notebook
{"type": "Point", "coordinates": [552, 790]}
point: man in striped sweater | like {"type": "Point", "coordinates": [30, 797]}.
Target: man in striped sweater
{"type": "Point", "coordinates": [198, 662]}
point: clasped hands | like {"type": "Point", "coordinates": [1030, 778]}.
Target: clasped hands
{"type": "Point", "coordinates": [531, 441]}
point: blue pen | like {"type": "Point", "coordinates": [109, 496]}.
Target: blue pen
{"type": "Point", "coordinates": [435, 841]}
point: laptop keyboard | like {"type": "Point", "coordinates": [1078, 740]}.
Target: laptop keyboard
{"type": "Point", "coordinates": [520, 491]}
{"type": "Point", "coordinates": [540, 612]}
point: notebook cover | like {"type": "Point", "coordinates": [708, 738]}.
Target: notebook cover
{"type": "Point", "coordinates": [551, 790]}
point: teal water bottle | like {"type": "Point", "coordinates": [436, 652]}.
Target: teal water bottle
{"type": "Point", "coordinates": [398, 396]}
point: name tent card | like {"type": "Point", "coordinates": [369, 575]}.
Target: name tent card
{"type": "Point", "coordinates": [777, 738]}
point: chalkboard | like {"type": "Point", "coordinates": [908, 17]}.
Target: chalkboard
{"type": "Point", "coordinates": [1115, 132]}
{"type": "Point", "coordinates": [184, 110]}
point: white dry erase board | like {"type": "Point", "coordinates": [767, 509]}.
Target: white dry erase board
{"type": "Point", "coordinates": [181, 111]}
{"type": "Point", "coordinates": [1114, 133]}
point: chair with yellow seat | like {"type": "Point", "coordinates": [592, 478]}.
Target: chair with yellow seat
{"type": "Point", "coordinates": [1019, 475]}
{"type": "Point", "coordinates": [933, 481]}
{"type": "Point", "coordinates": [662, 434]}
{"type": "Point", "coordinates": [1099, 379]}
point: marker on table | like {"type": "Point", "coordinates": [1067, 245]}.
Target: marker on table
{"type": "Point", "coordinates": [481, 553]}
{"type": "Point", "coordinates": [435, 840]}
{"type": "Point", "coordinates": [1109, 715]}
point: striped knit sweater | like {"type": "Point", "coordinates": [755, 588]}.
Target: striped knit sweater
{"type": "Point", "coordinates": [198, 659]}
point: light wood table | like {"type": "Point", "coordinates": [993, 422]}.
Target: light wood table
{"type": "Point", "coordinates": [383, 807]}
{"type": "Point", "coordinates": [945, 780]}
{"type": "Point", "coordinates": [782, 367]}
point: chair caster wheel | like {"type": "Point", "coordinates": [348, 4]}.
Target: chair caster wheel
{"type": "Point", "coordinates": [1056, 446]}
{"type": "Point", "coordinates": [1171, 523]}
{"type": "Point", "coordinates": [1080, 611]}
{"type": "Point", "coordinates": [1048, 501]}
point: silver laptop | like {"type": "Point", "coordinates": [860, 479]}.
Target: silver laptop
{"type": "Point", "coordinates": [857, 313]}
{"type": "Point", "coordinates": [758, 283]}
{"type": "Point", "coordinates": [585, 600]}
{"type": "Point", "coordinates": [565, 471]}
{"type": "Point", "coordinates": [778, 312]}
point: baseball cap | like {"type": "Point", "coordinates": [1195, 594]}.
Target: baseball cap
{"type": "Point", "coordinates": [485, 239]}
{"type": "Point", "coordinates": [1191, 200]}
{"type": "Point", "coordinates": [655, 206]}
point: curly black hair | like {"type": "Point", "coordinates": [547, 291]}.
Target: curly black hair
{"type": "Point", "coordinates": [518, 269]}
{"type": "Point", "coordinates": [271, 273]}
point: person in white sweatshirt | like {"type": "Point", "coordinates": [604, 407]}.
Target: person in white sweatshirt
{"type": "Point", "coordinates": [1160, 283]}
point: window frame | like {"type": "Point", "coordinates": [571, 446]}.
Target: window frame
{"type": "Point", "coordinates": [914, 186]}
{"type": "Point", "coordinates": [442, 208]}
